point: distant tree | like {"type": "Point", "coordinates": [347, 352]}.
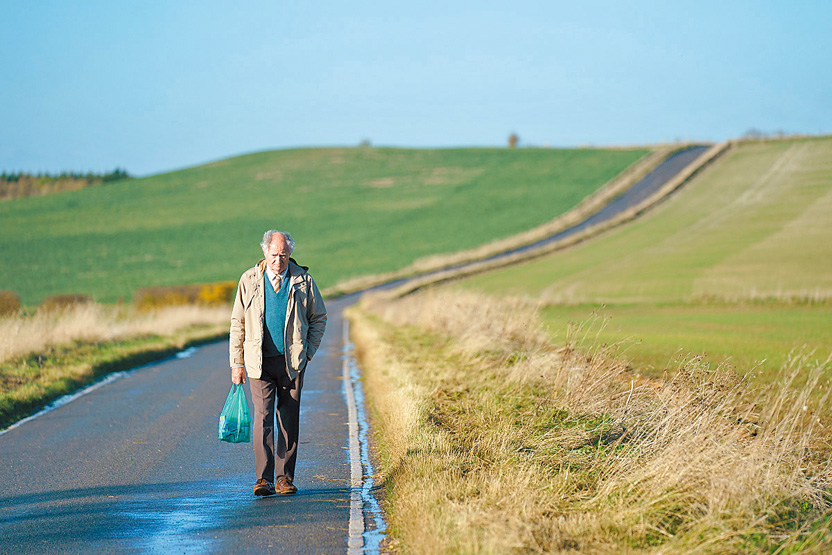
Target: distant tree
{"type": "Point", "coordinates": [364, 143]}
{"type": "Point", "coordinates": [24, 184]}
{"type": "Point", "coordinates": [115, 175]}
{"type": "Point", "coordinates": [754, 133]}
{"type": "Point", "coordinates": [513, 139]}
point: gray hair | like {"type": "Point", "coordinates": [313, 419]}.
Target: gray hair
{"type": "Point", "coordinates": [269, 235]}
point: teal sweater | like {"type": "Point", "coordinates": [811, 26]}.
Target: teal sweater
{"type": "Point", "coordinates": [274, 321]}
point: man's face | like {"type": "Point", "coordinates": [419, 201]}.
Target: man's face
{"type": "Point", "coordinates": [277, 254]}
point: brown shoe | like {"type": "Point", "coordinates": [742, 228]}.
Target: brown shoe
{"type": "Point", "coordinates": [285, 486]}
{"type": "Point", "coordinates": [263, 487]}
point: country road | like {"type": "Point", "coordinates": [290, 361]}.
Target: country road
{"type": "Point", "coordinates": [134, 464]}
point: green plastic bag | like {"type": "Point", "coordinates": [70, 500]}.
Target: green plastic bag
{"type": "Point", "coordinates": [235, 420]}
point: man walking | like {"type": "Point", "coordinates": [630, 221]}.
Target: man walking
{"type": "Point", "coordinates": [277, 324]}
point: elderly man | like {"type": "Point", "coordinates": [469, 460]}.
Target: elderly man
{"type": "Point", "coordinates": [277, 324]}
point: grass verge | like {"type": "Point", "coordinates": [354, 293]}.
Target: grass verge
{"type": "Point", "coordinates": [49, 354]}
{"type": "Point", "coordinates": [31, 382]}
{"type": "Point", "coordinates": [497, 441]}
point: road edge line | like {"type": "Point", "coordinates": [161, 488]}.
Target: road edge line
{"type": "Point", "coordinates": [355, 542]}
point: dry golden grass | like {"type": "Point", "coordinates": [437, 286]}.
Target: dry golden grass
{"type": "Point", "coordinates": [21, 335]}
{"type": "Point", "coordinates": [497, 441]}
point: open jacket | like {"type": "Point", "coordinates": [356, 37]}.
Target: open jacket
{"type": "Point", "coordinates": [305, 320]}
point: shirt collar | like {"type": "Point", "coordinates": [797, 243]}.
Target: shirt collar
{"type": "Point", "coordinates": [276, 279]}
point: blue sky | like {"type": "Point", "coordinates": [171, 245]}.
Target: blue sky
{"type": "Point", "coordinates": [156, 85]}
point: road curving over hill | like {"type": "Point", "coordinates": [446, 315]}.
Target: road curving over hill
{"type": "Point", "coordinates": [132, 463]}
{"type": "Point", "coordinates": [673, 172]}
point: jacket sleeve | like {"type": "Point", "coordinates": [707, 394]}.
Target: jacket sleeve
{"type": "Point", "coordinates": [238, 327]}
{"type": "Point", "coordinates": [316, 316]}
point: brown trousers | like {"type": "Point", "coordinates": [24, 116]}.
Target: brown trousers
{"type": "Point", "coordinates": [275, 385]}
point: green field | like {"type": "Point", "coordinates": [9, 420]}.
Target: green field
{"type": "Point", "coordinates": [755, 226]}
{"type": "Point", "coordinates": [746, 336]}
{"type": "Point", "coordinates": [353, 211]}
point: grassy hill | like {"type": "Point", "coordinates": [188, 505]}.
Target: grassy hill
{"type": "Point", "coordinates": [353, 211]}
{"type": "Point", "coordinates": [738, 264]}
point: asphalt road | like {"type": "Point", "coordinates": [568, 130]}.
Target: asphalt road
{"type": "Point", "coordinates": [134, 465]}
{"type": "Point", "coordinates": [641, 190]}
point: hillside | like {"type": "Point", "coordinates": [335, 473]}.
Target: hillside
{"type": "Point", "coordinates": [353, 211]}
{"type": "Point", "coordinates": [737, 264]}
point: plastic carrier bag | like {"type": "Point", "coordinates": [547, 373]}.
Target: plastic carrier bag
{"type": "Point", "coordinates": [235, 420]}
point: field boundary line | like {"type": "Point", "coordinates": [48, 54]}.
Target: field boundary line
{"type": "Point", "coordinates": [656, 198]}
{"type": "Point", "coordinates": [586, 208]}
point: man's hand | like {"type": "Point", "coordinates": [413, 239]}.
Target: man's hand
{"type": "Point", "coordinates": [238, 375]}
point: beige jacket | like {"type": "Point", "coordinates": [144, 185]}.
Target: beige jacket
{"type": "Point", "coordinates": [305, 321]}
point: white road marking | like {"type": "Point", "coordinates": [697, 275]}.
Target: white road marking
{"type": "Point", "coordinates": [356, 538]}
{"type": "Point", "coordinates": [364, 507]}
